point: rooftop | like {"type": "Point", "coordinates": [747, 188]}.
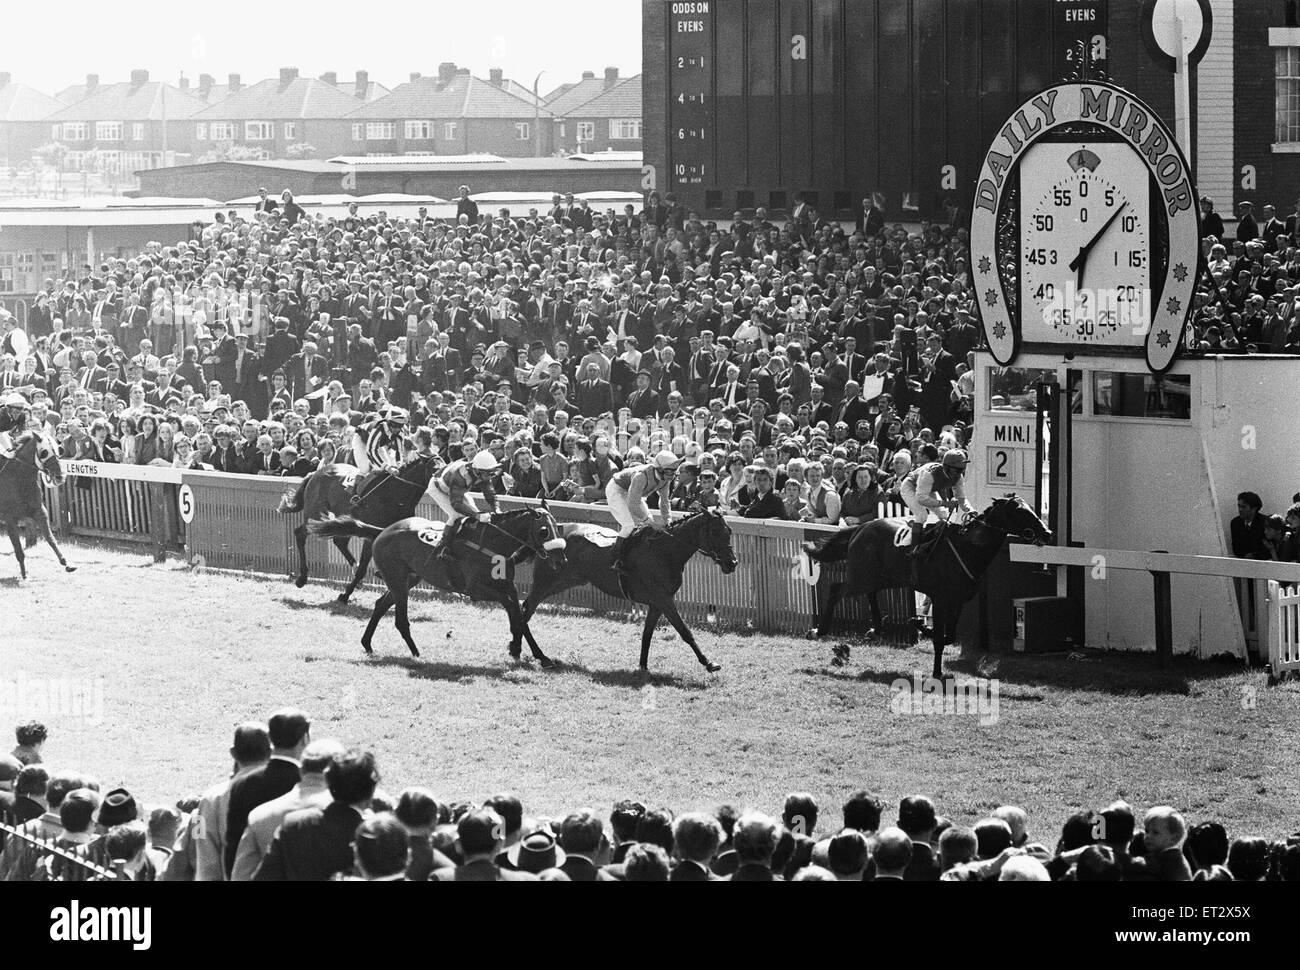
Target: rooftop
{"type": "Point", "coordinates": [620, 101]}
{"type": "Point", "coordinates": [564, 99]}
{"type": "Point", "coordinates": [287, 96]}
{"type": "Point", "coordinates": [449, 95]}
{"type": "Point", "coordinates": [136, 100]}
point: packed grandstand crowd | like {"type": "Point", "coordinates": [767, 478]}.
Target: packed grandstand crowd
{"type": "Point", "coordinates": [298, 808]}
{"type": "Point", "coordinates": [802, 370]}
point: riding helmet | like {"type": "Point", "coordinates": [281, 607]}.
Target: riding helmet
{"type": "Point", "coordinates": [666, 459]}
{"type": "Point", "coordinates": [956, 458]}
{"type": "Point", "coordinates": [484, 461]}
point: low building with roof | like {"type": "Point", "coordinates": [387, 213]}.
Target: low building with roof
{"type": "Point", "coordinates": [22, 111]}
{"type": "Point", "coordinates": [437, 175]}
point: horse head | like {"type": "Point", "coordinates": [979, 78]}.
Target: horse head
{"type": "Point", "coordinates": [714, 539]}
{"type": "Point", "coordinates": [38, 450]}
{"type": "Point", "coordinates": [1015, 518]}
{"type": "Point", "coordinates": [550, 539]}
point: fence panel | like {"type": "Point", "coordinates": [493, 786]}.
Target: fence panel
{"type": "Point", "coordinates": [1284, 628]}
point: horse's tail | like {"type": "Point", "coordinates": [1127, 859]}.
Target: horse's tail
{"type": "Point", "coordinates": [293, 501]}
{"type": "Point", "coordinates": [332, 528]}
{"type": "Point", "coordinates": [834, 549]}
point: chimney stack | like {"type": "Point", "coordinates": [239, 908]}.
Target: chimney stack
{"type": "Point", "coordinates": [5, 78]}
{"type": "Point", "coordinates": [184, 83]}
{"type": "Point", "coordinates": [446, 71]}
{"type": "Point", "coordinates": [362, 84]}
{"type": "Point", "coordinates": [589, 75]}
{"type": "Point", "coordinates": [288, 74]}
{"type": "Point", "coordinates": [496, 75]}
{"type": "Point", "coordinates": [611, 76]}
{"type": "Point", "coordinates": [233, 83]}
{"type": "Point", "coordinates": [92, 82]}
{"type": "Point", "coordinates": [415, 75]}
{"type": "Point", "coordinates": [331, 78]}
{"type": "Point", "coordinates": [205, 85]}
{"type": "Point", "coordinates": [139, 77]}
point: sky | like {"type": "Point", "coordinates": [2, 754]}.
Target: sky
{"type": "Point", "coordinates": [255, 39]}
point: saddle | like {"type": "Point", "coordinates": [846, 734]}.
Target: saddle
{"type": "Point", "coordinates": [362, 483]}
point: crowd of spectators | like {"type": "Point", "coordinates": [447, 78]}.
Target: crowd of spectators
{"type": "Point", "coordinates": [305, 809]}
{"type": "Point", "coordinates": [569, 341]}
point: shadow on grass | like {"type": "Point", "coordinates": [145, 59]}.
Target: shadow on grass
{"type": "Point", "coordinates": [351, 608]}
{"type": "Point", "coordinates": [1115, 673]}
{"type": "Point", "coordinates": [438, 670]}
{"type": "Point", "coordinates": [634, 677]}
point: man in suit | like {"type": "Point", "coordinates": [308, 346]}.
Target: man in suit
{"type": "Point", "coordinates": [290, 732]}
{"type": "Point", "coordinates": [133, 325]}
{"type": "Point", "coordinates": [754, 839]}
{"type": "Point", "coordinates": [250, 750]}
{"type": "Point", "coordinates": [441, 365]}
{"type": "Point", "coordinates": [307, 371]}
{"type": "Point", "coordinates": [764, 431]}
{"type": "Point", "coordinates": [537, 309]}
{"type": "Point", "coordinates": [388, 316]}
{"type": "Point", "coordinates": [819, 409]}
{"type": "Point", "coordinates": [916, 817]}
{"type": "Point", "coordinates": [315, 843]}
{"type": "Point", "coordinates": [480, 837]}
{"type": "Point", "coordinates": [361, 355]}
{"type": "Point", "coordinates": [595, 396]}
{"type": "Point", "coordinates": [892, 851]}
{"type": "Point", "coordinates": [696, 837]}
{"type": "Point", "coordinates": [91, 376]}
{"type": "Point", "coordinates": [225, 458]}
{"type": "Point", "coordinates": [938, 371]}
{"type": "Point", "coordinates": [732, 392]}
{"type": "Point", "coordinates": [219, 363]}
{"type": "Point", "coordinates": [264, 820]}
{"type": "Point", "coordinates": [643, 402]}
{"type": "Point", "coordinates": [855, 364]}
{"type": "Point", "coordinates": [853, 408]}
{"type": "Point", "coordinates": [249, 381]}
{"type": "Point", "coordinates": [582, 836]}
{"type": "Point", "coordinates": [280, 346]}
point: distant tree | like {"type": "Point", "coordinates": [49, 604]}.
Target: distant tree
{"type": "Point", "coordinates": [301, 149]}
{"type": "Point", "coordinates": [51, 154]}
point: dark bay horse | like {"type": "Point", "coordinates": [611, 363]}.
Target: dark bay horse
{"type": "Point", "coordinates": [389, 497]}
{"type": "Point", "coordinates": [654, 564]}
{"type": "Point", "coordinates": [21, 496]}
{"type": "Point", "coordinates": [948, 572]}
{"type": "Point", "coordinates": [484, 568]}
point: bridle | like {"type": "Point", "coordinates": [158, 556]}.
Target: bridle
{"type": "Point", "coordinates": [707, 553]}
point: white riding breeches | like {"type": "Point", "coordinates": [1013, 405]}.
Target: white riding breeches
{"type": "Point", "coordinates": [920, 513]}
{"type": "Point", "coordinates": [442, 499]}
{"type": "Point", "coordinates": [629, 515]}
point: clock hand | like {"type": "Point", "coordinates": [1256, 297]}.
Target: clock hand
{"type": "Point", "coordinates": [1082, 258]}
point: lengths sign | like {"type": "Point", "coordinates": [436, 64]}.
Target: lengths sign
{"type": "Point", "coordinates": [1133, 123]}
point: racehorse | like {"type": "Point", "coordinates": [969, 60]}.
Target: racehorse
{"type": "Point", "coordinates": [653, 565]}
{"type": "Point", "coordinates": [948, 569]}
{"type": "Point", "coordinates": [20, 492]}
{"type": "Point", "coordinates": [484, 568]}
{"type": "Point", "coordinates": [389, 497]}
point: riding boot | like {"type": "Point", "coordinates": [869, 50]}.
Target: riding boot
{"type": "Point", "coordinates": [444, 551]}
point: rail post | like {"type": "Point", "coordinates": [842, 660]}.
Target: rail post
{"type": "Point", "coordinates": [1164, 615]}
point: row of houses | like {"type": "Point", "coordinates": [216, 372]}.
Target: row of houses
{"type": "Point", "coordinates": [143, 124]}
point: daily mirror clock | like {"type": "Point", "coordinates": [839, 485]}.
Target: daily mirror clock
{"type": "Point", "coordinates": [1085, 229]}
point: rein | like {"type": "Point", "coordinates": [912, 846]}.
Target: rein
{"type": "Point", "coordinates": [707, 553]}
{"type": "Point", "coordinates": [523, 544]}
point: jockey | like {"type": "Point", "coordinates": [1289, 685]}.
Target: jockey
{"type": "Point", "coordinates": [377, 443]}
{"type": "Point", "coordinates": [450, 488]}
{"type": "Point", "coordinates": [376, 446]}
{"type": "Point", "coordinates": [13, 418]}
{"type": "Point", "coordinates": [937, 487]}
{"type": "Point", "coordinates": [626, 493]}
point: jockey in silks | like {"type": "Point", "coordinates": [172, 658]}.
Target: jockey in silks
{"type": "Point", "coordinates": [377, 446]}
{"type": "Point", "coordinates": [935, 487]}
{"type": "Point", "coordinates": [13, 420]}
{"type": "Point", "coordinates": [626, 493]}
{"type": "Point", "coordinates": [450, 489]}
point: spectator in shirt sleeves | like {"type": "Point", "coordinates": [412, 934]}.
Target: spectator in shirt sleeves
{"type": "Point", "coordinates": [1247, 528]}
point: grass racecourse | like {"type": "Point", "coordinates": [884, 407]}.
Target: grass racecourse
{"type": "Point", "coordinates": [171, 660]}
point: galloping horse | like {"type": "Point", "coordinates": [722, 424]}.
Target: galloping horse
{"type": "Point", "coordinates": [653, 567]}
{"type": "Point", "coordinates": [948, 570]}
{"type": "Point", "coordinates": [484, 569]}
{"type": "Point", "coordinates": [20, 491]}
{"type": "Point", "coordinates": [389, 497]}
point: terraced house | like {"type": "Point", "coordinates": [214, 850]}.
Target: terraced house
{"type": "Point", "coordinates": [275, 115]}
{"type": "Point", "coordinates": [454, 113]}
{"type": "Point", "coordinates": [597, 114]}
{"type": "Point", "coordinates": [125, 127]}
